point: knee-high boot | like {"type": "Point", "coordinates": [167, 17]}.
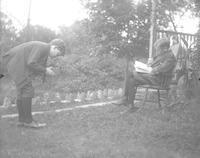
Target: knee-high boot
{"type": "Point", "coordinates": [29, 122]}
{"type": "Point", "coordinates": [126, 86]}
{"type": "Point", "coordinates": [27, 108]}
{"type": "Point", "coordinates": [20, 109]}
{"type": "Point", "coordinates": [131, 97]}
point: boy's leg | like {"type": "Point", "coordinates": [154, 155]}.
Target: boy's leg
{"type": "Point", "coordinates": [126, 88]}
{"type": "Point", "coordinates": [132, 92]}
{"type": "Point", "coordinates": [29, 121]}
{"type": "Point", "coordinates": [20, 109]}
{"type": "Point", "coordinates": [27, 108]}
{"type": "Point", "coordinates": [28, 94]}
{"type": "Point", "coordinates": [139, 79]}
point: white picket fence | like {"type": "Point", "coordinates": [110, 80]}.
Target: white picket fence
{"type": "Point", "coordinates": [48, 98]}
{"type": "Point", "coordinates": [88, 96]}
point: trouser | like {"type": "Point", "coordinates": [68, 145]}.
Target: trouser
{"type": "Point", "coordinates": [25, 93]}
{"type": "Point", "coordinates": [1, 67]}
{"type": "Point", "coordinates": [134, 79]}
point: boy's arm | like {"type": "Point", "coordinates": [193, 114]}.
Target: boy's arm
{"type": "Point", "coordinates": [37, 60]}
{"type": "Point", "coordinates": [167, 65]}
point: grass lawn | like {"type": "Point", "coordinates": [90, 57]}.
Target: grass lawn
{"type": "Point", "coordinates": [106, 132]}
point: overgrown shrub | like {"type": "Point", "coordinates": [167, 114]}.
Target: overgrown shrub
{"type": "Point", "coordinates": [82, 73]}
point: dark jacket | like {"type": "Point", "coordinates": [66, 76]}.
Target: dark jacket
{"type": "Point", "coordinates": [26, 61]}
{"type": "Point", "coordinates": [164, 63]}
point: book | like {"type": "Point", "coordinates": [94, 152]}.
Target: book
{"type": "Point", "coordinates": [142, 67]}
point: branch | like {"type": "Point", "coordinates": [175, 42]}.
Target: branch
{"type": "Point", "coordinates": [170, 18]}
{"type": "Point", "coordinates": [174, 26]}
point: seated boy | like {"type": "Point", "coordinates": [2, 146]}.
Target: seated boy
{"type": "Point", "coordinates": [163, 63]}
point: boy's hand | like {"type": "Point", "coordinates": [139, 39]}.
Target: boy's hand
{"type": "Point", "coordinates": [49, 71]}
{"type": "Point", "coordinates": [154, 72]}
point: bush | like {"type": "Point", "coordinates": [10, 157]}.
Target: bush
{"type": "Point", "coordinates": [82, 73]}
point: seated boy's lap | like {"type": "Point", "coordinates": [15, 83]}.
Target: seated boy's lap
{"type": "Point", "coordinates": [145, 79]}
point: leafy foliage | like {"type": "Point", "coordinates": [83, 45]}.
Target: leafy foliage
{"type": "Point", "coordinates": [8, 33]}
{"type": "Point", "coordinates": [119, 26]}
{"type": "Point", "coordinates": [115, 28]}
{"type": "Point", "coordinates": [37, 33]}
{"type": "Point", "coordinates": [81, 73]}
{"type": "Point", "coordinates": [79, 37]}
{"type": "Point", "coordinates": [196, 51]}
{"type": "Point", "coordinates": [122, 26]}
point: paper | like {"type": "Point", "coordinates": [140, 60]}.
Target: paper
{"type": "Point", "coordinates": [141, 67]}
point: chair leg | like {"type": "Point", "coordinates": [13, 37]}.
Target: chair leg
{"type": "Point", "coordinates": [159, 104]}
{"type": "Point", "coordinates": [135, 94]}
{"type": "Point", "coordinates": [145, 97]}
{"type": "Point", "coordinates": [167, 99]}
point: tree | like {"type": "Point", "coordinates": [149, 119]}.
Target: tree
{"type": "Point", "coordinates": [197, 7]}
{"type": "Point", "coordinates": [37, 32]}
{"type": "Point", "coordinates": [197, 51]}
{"type": "Point", "coordinates": [117, 25]}
{"type": "Point", "coordinates": [8, 33]}
{"type": "Point", "coordinates": [122, 27]}
{"type": "Point", "coordinates": [79, 37]}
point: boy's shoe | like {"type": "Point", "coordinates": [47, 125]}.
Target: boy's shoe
{"type": "Point", "coordinates": [34, 124]}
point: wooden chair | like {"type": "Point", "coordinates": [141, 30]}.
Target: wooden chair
{"type": "Point", "coordinates": [166, 81]}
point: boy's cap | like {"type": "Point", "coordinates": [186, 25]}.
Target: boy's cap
{"type": "Point", "coordinates": [162, 42]}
